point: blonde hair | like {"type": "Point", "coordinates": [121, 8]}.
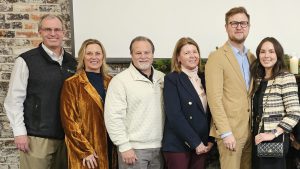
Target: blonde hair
{"type": "Point", "coordinates": [175, 65]}
{"type": "Point", "coordinates": [81, 54]}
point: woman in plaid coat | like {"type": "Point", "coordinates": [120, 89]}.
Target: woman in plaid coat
{"type": "Point", "coordinates": [275, 101]}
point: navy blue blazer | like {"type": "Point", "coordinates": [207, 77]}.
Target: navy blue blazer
{"type": "Point", "coordinates": [186, 124]}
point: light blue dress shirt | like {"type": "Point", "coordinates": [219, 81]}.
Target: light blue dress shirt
{"type": "Point", "coordinates": [244, 64]}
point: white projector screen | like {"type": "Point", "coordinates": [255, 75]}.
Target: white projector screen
{"type": "Point", "coordinates": [116, 22]}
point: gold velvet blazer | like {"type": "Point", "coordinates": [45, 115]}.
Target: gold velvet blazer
{"type": "Point", "coordinates": [83, 121]}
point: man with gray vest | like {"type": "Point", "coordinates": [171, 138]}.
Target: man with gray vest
{"type": "Point", "coordinates": [32, 102]}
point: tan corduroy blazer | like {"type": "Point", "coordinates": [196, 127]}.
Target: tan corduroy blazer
{"type": "Point", "coordinates": [227, 93]}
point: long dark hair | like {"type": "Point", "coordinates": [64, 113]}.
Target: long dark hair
{"type": "Point", "coordinates": [258, 71]}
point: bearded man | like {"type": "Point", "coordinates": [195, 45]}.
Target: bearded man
{"type": "Point", "coordinates": [228, 84]}
{"type": "Point", "coordinates": [133, 112]}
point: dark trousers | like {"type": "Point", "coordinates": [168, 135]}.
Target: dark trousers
{"type": "Point", "coordinates": [269, 163]}
{"type": "Point", "coordinates": [184, 160]}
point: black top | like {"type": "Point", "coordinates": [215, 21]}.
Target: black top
{"type": "Point", "coordinates": [258, 104]}
{"type": "Point", "coordinates": [96, 80]}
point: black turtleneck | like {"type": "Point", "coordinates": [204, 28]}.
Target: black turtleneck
{"type": "Point", "coordinates": [96, 80]}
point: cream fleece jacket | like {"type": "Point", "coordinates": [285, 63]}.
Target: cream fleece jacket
{"type": "Point", "coordinates": [133, 112]}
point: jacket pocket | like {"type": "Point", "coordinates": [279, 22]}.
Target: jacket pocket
{"type": "Point", "coordinates": [32, 112]}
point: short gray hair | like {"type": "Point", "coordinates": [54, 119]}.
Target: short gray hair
{"type": "Point", "coordinates": [50, 16]}
{"type": "Point", "coordinates": [141, 38]}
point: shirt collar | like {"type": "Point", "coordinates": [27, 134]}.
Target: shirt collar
{"type": "Point", "coordinates": [52, 55]}
{"type": "Point", "coordinates": [151, 75]}
{"type": "Point", "coordinates": [237, 51]}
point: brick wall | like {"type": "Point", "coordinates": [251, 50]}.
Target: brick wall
{"type": "Point", "coordinates": [18, 33]}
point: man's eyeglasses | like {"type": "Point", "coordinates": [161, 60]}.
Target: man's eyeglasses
{"type": "Point", "coordinates": [235, 24]}
{"type": "Point", "coordinates": [50, 30]}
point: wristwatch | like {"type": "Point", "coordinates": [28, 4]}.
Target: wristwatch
{"type": "Point", "coordinates": [275, 132]}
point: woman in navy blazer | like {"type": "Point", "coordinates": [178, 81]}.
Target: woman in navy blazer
{"type": "Point", "coordinates": [186, 134]}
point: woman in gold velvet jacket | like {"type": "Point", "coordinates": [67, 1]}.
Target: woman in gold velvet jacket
{"type": "Point", "coordinates": [82, 103]}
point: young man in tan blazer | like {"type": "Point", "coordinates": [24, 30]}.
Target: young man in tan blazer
{"type": "Point", "coordinates": [228, 84]}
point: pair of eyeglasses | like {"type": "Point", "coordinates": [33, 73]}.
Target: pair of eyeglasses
{"type": "Point", "coordinates": [235, 24]}
{"type": "Point", "coordinates": [50, 30]}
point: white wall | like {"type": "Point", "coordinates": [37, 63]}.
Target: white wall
{"type": "Point", "coordinates": [116, 22]}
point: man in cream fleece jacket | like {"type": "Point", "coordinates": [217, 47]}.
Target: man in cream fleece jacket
{"type": "Point", "coordinates": [133, 111]}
